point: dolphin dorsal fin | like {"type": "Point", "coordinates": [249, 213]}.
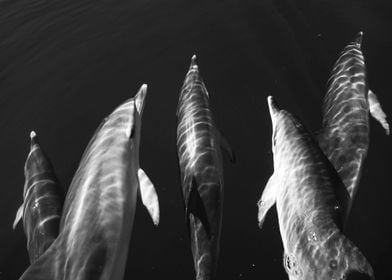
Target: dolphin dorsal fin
{"type": "Point", "coordinates": [18, 217]}
{"type": "Point", "coordinates": [377, 112]}
{"type": "Point", "coordinates": [149, 196]}
{"type": "Point", "coordinates": [195, 207]}
{"type": "Point", "coordinates": [267, 200]}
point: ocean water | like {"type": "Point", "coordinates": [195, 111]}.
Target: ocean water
{"type": "Point", "coordinates": [64, 65]}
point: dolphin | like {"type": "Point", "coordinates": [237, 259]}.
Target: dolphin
{"type": "Point", "coordinates": [201, 171]}
{"type": "Point", "coordinates": [307, 191]}
{"type": "Point", "coordinates": [42, 201]}
{"type": "Point", "coordinates": [344, 137]}
{"type": "Point", "coordinates": [99, 208]}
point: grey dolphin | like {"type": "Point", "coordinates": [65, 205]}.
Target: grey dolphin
{"type": "Point", "coordinates": [306, 189]}
{"type": "Point", "coordinates": [344, 137]}
{"type": "Point", "coordinates": [99, 208]}
{"type": "Point", "coordinates": [42, 201]}
{"type": "Point", "coordinates": [200, 161]}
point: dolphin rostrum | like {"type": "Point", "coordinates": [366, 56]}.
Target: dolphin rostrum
{"type": "Point", "coordinates": [344, 137]}
{"type": "Point", "coordinates": [200, 162]}
{"type": "Point", "coordinates": [307, 190]}
{"type": "Point", "coordinates": [42, 201]}
{"type": "Point", "coordinates": [99, 208]}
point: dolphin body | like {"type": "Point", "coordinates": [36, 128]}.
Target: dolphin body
{"type": "Point", "coordinates": [344, 137]}
{"type": "Point", "coordinates": [99, 209]}
{"type": "Point", "coordinates": [42, 201]}
{"type": "Point", "coordinates": [200, 162]}
{"type": "Point", "coordinates": [307, 191]}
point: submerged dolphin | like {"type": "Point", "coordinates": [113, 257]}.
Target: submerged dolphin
{"type": "Point", "coordinates": [344, 137]}
{"type": "Point", "coordinates": [99, 208]}
{"type": "Point", "coordinates": [42, 201]}
{"type": "Point", "coordinates": [198, 147]}
{"type": "Point", "coordinates": [307, 190]}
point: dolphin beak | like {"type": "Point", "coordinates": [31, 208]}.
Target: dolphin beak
{"type": "Point", "coordinates": [273, 109]}
{"type": "Point", "coordinates": [358, 40]}
{"type": "Point", "coordinates": [140, 97]}
{"type": "Point", "coordinates": [195, 75]}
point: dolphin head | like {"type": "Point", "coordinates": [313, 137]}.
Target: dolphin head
{"type": "Point", "coordinates": [193, 79]}
{"type": "Point", "coordinates": [139, 99]}
{"type": "Point", "coordinates": [37, 161]}
{"type": "Point", "coordinates": [124, 121]}
{"type": "Point", "coordinates": [135, 128]}
{"type": "Point", "coordinates": [33, 139]}
{"type": "Point", "coordinates": [29, 169]}
{"type": "Point", "coordinates": [193, 65]}
{"type": "Point", "coordinates": [274, 114]}
{"type": "Point", "coordinates": [273, 109]}
{"type": "Point", "coordinates": [31, 164]}
{"type": "Point", "coordinates": [284, 125]}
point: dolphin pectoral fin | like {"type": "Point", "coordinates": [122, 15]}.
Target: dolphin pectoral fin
{"type": "Point", "coordinates": [19, 215]}
{"type": "Point", "coordinates": [149, 196]}
{"type": "Point", "coordinates": [226, 146]}
{"type": "Point", "coordinates": [195, 206]}
{"type": "Point", "coordinates": [267, 200]}
{"type": "Point", "coordinates": [377, 112]}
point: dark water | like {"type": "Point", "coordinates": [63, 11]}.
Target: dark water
{"type": "Point", "coordinates": [64, 65]}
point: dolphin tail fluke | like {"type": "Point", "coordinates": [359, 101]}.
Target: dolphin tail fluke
{"type": "Point", "coordinates": [19, 215]}
{"type": "Point", "coordinates": [149, 196]}
{"type": "Point", "coordinates": [377, 112]}
{"type": "Point", "coordinates": [226, 147]}
{"type": "Point", "coordinates": [267, 200]}
{"type": "Point", "coordinates": [195, 207]}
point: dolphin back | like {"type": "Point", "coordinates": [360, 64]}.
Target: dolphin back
{"type": "Point", "coordinates": [344, 137]}
{"type": "Point", "coordinates": [345, 134]}
{"type": "Point", "coordinates": [201, 169]}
